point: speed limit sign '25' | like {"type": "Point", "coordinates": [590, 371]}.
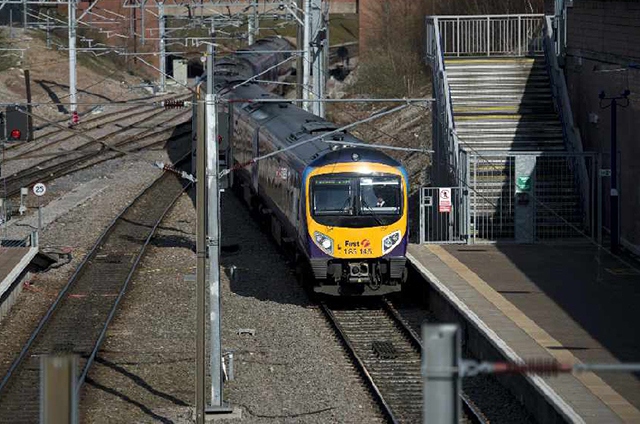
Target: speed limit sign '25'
{"type": "Point", "coordinates": [39, 189]}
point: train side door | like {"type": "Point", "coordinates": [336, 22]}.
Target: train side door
{"type": "Point", "coordinates": [254, 166]}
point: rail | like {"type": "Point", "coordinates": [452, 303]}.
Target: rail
{"type": "Point", "coordinates": [107, 268]}
{"type": "Point", "coordinates": [572, 139]}
{"type": "Point", "coordinates": [378, 326]}
{"type": "Point", "coordinates": [491, 35]}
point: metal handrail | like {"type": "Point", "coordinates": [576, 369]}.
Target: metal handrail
{"type": "Point", "coordinates": [490, 35]}
{"type": "Point", "coordinates": [445, 124]}
{"type": "Point", "coordinates": [573, 141]}
{"type": "Point", "coordinates": [531, 15]}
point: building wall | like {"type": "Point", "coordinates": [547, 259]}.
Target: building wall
{"type": "Point", "coordinates": [343, 6]}
{"type": "Point", "coordinates": [603, 54]}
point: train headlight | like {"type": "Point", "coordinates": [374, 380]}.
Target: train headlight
{"type": "Point", "coordinates": [325, 242]}
{"type": "Point", "coordinates": [390, 241]}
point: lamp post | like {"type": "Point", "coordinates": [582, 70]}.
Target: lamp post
{"type": "Point", "coordinates": [614, 196]}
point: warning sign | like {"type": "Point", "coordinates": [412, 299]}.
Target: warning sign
{"type": "Point", "coordinates": [444, 200]}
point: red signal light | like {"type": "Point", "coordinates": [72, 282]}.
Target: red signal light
{"type": "Point", "coordinates": [15, 134]}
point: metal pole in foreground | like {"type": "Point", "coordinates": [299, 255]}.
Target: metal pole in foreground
{"type": "Point", "coordinates": [300, 58]}
{"type": "Point", "coordinates": [251, 26]}
{"type": "Point", "coordinates": [72, 57]}
{"type": "Point", "coordinates": [614, 198]}
{"type": "Point", "coordinates": [163, 50]}
{"type": "Point", "coordinates": [306, 56]}
{"type": "Point", "coordinates": [318, 33]}
{"type": "Point", "coordinates": [441, 387]}
{"type": "Point", "coordinates": [213, 242]}
{"type": "Point", "coordinates": [201, 254]}
{"type": "Point", "coordinates": [58, 401]}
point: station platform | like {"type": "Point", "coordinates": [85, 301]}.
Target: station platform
{"type": "Point", "coordinates": [569, 303]}
{"type": "Point", "coordinates": [13, 262]}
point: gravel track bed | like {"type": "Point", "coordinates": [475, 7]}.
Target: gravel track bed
{"type": "Point", "coordinates": [491, 397]}
{"type": "Point", "coordinates": [291, 370]}
{"type": "Point", "coordinates": [76, 230]}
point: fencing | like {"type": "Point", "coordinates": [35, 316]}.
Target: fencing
{"type": "Point", "coordinates": [523, 197]}
{"type": "Point", "coordinates": [29, 241]}
{"type": "Point", "coordinates": [491, 35]}
{"type": "Point", "coordinates": [443, 215]}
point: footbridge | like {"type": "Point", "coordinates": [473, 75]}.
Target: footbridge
{"type": "Point", "coordinates": [506, 149]}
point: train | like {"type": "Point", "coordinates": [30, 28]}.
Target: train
{"type": "Point", "coordinates": [341, 208]}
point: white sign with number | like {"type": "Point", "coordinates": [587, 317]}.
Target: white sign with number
{"type": "Point", "coordinates": [39, 189]}
{"type": "Point", "coordinates": [444, 200]}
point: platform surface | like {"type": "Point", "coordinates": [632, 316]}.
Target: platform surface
{"type": "Point", "coordinates": [569, 303]}
{"type": "Point", "coordinates": [13, 260]}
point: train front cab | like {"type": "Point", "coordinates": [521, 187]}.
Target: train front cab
{"type": "Point", "coordinates": [356, 216]}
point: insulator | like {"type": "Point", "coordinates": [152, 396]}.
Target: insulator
{"type": "Point", "coordinates": [174, 104]}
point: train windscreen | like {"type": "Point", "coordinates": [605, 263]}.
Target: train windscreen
{"type": "Point", "coordinates": [353, 200]}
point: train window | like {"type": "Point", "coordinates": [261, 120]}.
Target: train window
{"type": "Point", "coordinates": [380, 195]}
{"type": "Point", "coordinates": [333, 196]}
{"type": "Point", "coordinates": [355, 200]}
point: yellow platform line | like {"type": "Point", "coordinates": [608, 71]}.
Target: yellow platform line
{"type": "Point", "coordinates": [618, 404]}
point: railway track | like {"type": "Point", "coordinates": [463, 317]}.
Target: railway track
{"type": "Point", "coordinates": [88, 154]}
{"type": "Point", "coordinates": [78, 319]}
{"type": "Point", "coordinates": [387, 352]}
{"type": "Point", "coordinates": [143, 113]}
{"type": "Point", "coordinates": [87, 124]}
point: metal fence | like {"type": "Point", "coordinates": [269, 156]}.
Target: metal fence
{"type": "Point", "coordinates": [443, 215]}
{"type": "Point", "coordinates": [29, 241]}
{"type": "Point", "coordinates": [524, 197]}
{"type": "Point", "coordinates": [491, 35]}
{"type": "Point", "coordinates": [533, 196]}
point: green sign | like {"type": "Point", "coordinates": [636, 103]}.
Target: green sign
{"type": "Point", "coordinates": [523, 184]}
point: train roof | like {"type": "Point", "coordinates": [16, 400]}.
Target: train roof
{"type": "Point", "coordinates": [289, 125]}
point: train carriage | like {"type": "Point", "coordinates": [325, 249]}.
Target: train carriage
{"type": "Point", "coordinates": [343, 209]}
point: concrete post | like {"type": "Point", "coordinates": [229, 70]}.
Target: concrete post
{"type": "Point", "coordinates": [440, 357]}
{"type": "Point", "coordinates": [58, 400]}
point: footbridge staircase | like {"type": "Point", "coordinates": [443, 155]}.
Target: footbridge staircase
{"type": "Point", "coordinates": [504, 137]}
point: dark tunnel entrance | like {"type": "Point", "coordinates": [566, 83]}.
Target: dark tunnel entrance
{"type": "Point", "coordinates": [195, 68]}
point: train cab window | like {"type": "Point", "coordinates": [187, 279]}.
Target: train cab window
{"type": "Point", "coordinates": [380, 195]}
{"type": "Point", "coordinates": [332, 196]}
{"type": "Point", "coordinates": [356, 201]}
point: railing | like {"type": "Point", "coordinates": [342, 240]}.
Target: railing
{"type": "Point", "coordinates": [573, 142]}
{"type": "Point", "coordinates": [29, 241]}
{"type": "Point", "coordinates": [555, 213]}
{"type": "Point", "coordinates": [445, 144]}
{"type": "Point", "coordinates": [490, 35]}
